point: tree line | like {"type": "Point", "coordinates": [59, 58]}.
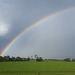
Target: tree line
{"type": "Point", "coordinates": [8, 58]}
{"type": "Point", "coordinates": [37, 58]}
{"type": "Point", "coordinates": [69, 60]}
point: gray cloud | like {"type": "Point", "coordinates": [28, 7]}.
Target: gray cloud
{"type": "Point", "coordinates": [3, 29]}
{"type": "Point", "coordinates": [51, 39]}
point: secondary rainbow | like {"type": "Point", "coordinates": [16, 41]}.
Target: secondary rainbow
{"type": "Point", "coordinates": [32, 26]}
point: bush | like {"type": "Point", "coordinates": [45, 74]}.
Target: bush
{"type": "Point", "coordinates": [73, 60]}
{"type": "Point", "coordinates": [67, 60]}
{"type": "Point", "coordinates": [39, 59]}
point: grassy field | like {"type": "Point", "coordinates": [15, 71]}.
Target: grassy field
{"type": "Point", "coordinates": [37, 68]}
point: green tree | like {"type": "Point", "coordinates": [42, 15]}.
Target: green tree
{"type": "Point", "coordinates": [6, 58]}
{"type": "Point", "coordinates": [67, 60]}
{"type": "Point", "coordinates": [28, 59]}
{"type": "Point", "coordinates": [73, 60]}
{"type": "Point", "coordinates": [39, 59]}
{"type": "Point", "coordinates": [13, 59]}
{"type": "Point", "coordinates": [36, 56]}
{"type": "Point", "coordinates": [1, 59]}
{"type": "Point", "coordinates": [18, 59]}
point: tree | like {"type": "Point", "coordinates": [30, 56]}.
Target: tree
{"type": "Point", "coordinates": [28, 59]}
{"type": "Point", "coordinates": [36, 56]}
{"type": "Point", "coordinates": [73, 60]}
{"type": "Point", "coordinates": [1, 59]}
{"type": "Point", "coordinates": [39, 59]}
{"type": "Point", "coordinates": [24, 59]}
{"type": "Point", "coordinates": [13, 59]}
{"type": "Point", "coordinates": [67, 60]}
{"type": "Point", "coordinates": [6, 58]}
{"type": "Point", "coordinates": [18, 59]}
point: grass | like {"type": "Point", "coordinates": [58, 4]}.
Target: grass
{"type": "Point", "coordinates": [37, 68]}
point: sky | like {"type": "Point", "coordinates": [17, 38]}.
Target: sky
{"type": "Point", "coordinates": [53, 39]}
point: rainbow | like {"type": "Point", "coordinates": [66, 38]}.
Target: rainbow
{"type": "Point", "coordinates": [32, 26]}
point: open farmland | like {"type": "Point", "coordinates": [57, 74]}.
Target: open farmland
{"type": "Point", "coordinates": [37, 68]}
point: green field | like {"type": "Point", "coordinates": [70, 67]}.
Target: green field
{"type": "Point", "coordinates": [37, 68]}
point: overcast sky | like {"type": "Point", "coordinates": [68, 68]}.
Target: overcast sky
{"type": "Point", "coordinates": [54, 38]}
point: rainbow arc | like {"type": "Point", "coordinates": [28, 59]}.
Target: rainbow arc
{"type": "Point", "coordinates": [32, 26]}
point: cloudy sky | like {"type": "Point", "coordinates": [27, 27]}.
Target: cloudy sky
{"type": "Point", "coordinates": [54, 38]}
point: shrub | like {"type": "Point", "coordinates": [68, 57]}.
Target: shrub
{"type": "Point", "coordinates": [67, 60]}
{"type": "Point", "coordinates": [73, 60]}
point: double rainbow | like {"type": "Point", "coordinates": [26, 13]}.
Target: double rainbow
{"type": "Point", "coordinates": [32, 26]}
